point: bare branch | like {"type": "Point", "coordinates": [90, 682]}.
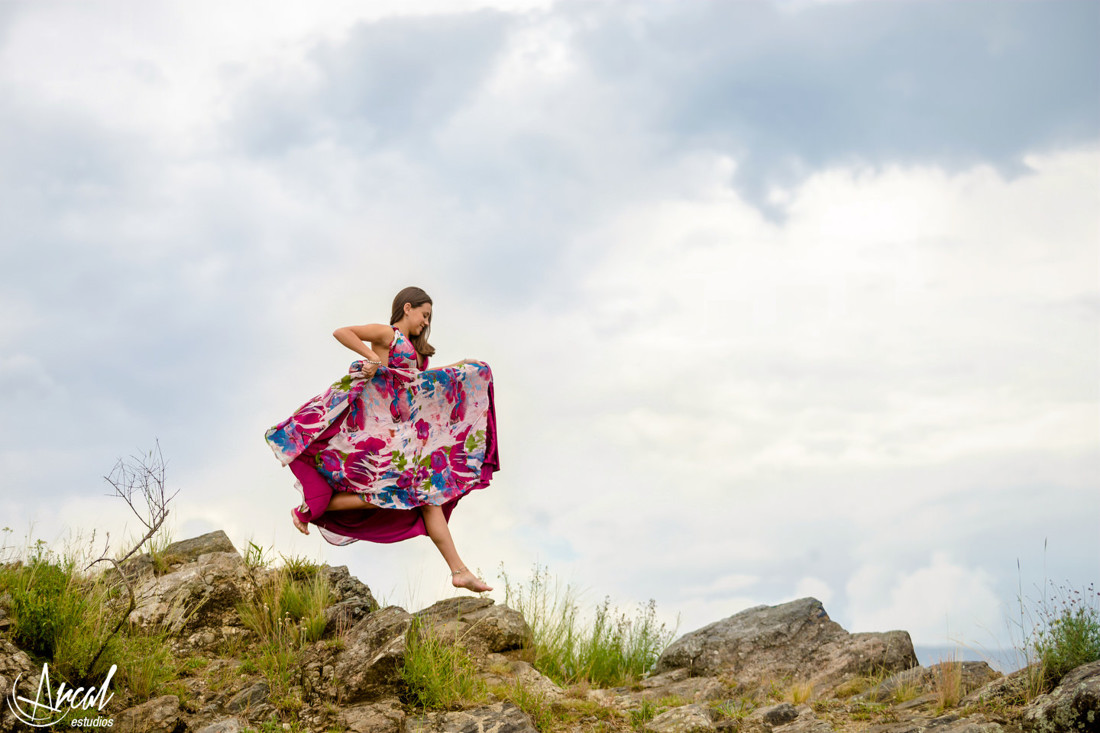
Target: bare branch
{"type": "Point", "coordinates": [144, 475]}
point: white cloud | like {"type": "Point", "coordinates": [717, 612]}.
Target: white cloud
{"type": "Point", "coordinates": [942, 602]}
{"type": "Point", "coordinates": [815, 588]}
{"type": "Point", "coordinates": [698, 403]}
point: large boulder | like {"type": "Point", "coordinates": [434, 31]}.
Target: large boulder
{"type": "Point", "coordinates": [369, 665]}
{"type": "Point", "coordinates": [795, 640]}
{"type": "Point", "coordinates": [202, 593]}
{"type": "Point", "coordinates": [1074, 705]}
{"type": "Point", "coordinates": [477, 623]}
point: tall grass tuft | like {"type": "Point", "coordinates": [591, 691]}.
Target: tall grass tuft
{"type": "Point", "coordinates": [439, 674]}
{"type": "Point", "coordinates": [948, 683]}
{"type": "Point", "coordinates": [292, 592]}
{"type": "Point", "coordinates": [612, 649]}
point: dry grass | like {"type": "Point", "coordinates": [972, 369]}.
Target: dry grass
{"type": "Point", "coordinates": [948, 683]}
{"type": "Point", "coordinates": [799, 693]}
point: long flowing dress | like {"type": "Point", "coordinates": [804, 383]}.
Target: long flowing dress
{"type": "Point", "coordinates": [406, 437]}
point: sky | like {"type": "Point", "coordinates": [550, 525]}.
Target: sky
{"type": "Point", "coordinates": [781, 298]}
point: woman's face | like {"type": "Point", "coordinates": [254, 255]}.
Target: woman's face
{"type": "Point", "coordinates": [419, 318]}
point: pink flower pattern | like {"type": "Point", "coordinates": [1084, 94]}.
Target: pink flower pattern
{"type": "Point", "coordinates": [411, 437]}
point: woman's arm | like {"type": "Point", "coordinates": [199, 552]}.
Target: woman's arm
{"type": "Point", "coordinates": [464, 362]}
{"type": "Point", "coordinates": [356, 338]}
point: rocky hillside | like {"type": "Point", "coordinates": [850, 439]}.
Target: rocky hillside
{"type": "Point", "coordinates": [781, 669]}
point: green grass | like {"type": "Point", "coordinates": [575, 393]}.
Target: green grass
{"type": "Point", "coordinates": [611, 649]}
{"type": "Point", "coordinates": [296, 595]}
{"type": "Point", "coordinates": [439, 673]}
{"type": "Point", "coordinates": [533, 703]}
{"type": "Point", "coordinates": [65, 617]}
{"type": "Point", "coordinates": [287, 613]}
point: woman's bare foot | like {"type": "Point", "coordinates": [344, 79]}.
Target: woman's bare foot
{"type": "Point", "coordinates": [463, 578]}
{"type": "Point", "coordinates": [298, 523]}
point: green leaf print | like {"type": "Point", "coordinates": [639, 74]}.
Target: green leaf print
{"type": "Point", "coordinates": [399, 460]}
{"type": "Point", "coordinates": [344, 384]}
{"type": "Point", "coordinates": [475, 440]}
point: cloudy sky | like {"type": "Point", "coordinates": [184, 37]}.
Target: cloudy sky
{"type": "Point", "coordinates": [781, 298]}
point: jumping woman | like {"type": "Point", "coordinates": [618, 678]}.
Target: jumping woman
{"type": "Point", "coordinates": [385, 453]}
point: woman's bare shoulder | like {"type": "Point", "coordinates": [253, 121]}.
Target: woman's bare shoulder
{"type": "Point", "coordinates": [376, 333]}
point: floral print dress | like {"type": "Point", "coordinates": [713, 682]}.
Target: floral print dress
{"type": "Point", "coordinates": [401, 439]}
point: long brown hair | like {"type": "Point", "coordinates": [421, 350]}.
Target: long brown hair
{"type": "Point", "coordinates": [415, 297]}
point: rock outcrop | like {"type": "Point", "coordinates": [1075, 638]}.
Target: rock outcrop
{"type": "Point", "coordinates": [1074, 705]}
{"type": "Point", "coordinates": [781, 669]}
{"type": "Point", "coordinates": [797, 640]}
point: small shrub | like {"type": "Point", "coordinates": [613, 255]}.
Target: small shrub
{"type": "Point", "coordinates": [1068, 634]}
{"type": "Point", "coordinates": [41, 606]}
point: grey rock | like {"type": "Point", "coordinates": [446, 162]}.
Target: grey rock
{"type": "Point", "coordinates": [203, 593]}
{"type": "Point", "coordinates": [974, 724]}
{"type": "Point", "coordinates": [796, 640]}
{"type": "Point", "coordinates": [1074, 705]}
{"type": "Point", "coordinates": [501, 717]}
{"type": "Point", "coordinates": [477, 623]}
{"type": "Point", "coordinates": [226, 725]}
{"type": "Point", "coordinates": [191, 549]}
{"type": "Point", "coordinates": [1012, 689]}
{"type": "Point", "coordinates": [805, 724]}
{"type": "Point", "coordinates": [352, 599]}
{"type": "Point", "coordinates": [370, 663]}
{"type": "Point", "coordinates": [692, 689]}
{"type": "Point", "coordinates": [497, 669]}
{"type": "Point", "coordinates": [942, 724]}
{"type": "Point", "coordinates": [665, 678]}
{"type": "Point", "coordinates": [971, 676]}
{"type": "Point", "coordinates": [384, 716]}
{"type": "Point", "coordinates": [159, 715]}
{"type": "Point", "coordinates": [918, 702]}
{"type": "Point", "coordinates": [249, 698]}
{"type": "Point", "coordinates": [16, 668]}
{"type": "Point", "coordinates": [775, 715]}
{"type": "Point", "coordinates": [694, 718]}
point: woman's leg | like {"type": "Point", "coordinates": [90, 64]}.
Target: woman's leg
{"type": "Point", "coordinates": [338, 501]}
{"type": "Point", "coordinates": [436, 524]}
{"type": "Point", "coordinates": [346, 500]}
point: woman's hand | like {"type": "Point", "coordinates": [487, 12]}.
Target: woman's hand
{"type": "Point", "coordinates": [368, 368]}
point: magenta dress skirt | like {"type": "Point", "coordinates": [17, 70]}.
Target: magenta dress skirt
{"type": "Point", "coordinates": [406, 437]}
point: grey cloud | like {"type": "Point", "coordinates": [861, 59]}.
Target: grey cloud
{"type": "Point", "coordinates": [391, 80]}
{"type": "Point", "coordinates": [874, 83]}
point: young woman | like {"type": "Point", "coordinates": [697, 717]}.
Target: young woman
{"type": "Point", "coordinates": [385, 453]}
